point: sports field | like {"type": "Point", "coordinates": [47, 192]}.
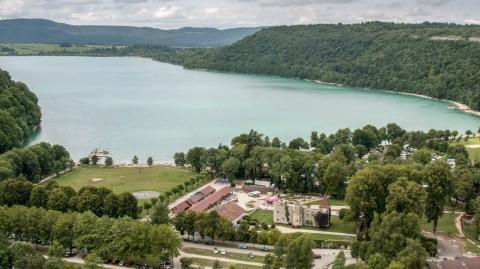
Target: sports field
{"type": "Point", "coordinates": [127, 179]}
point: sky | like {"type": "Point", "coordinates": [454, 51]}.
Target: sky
{"type": "Point", "coordinates": [170, 14]}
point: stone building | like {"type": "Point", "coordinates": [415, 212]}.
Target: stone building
{"type": "Point", "coordinates": [299, 215]}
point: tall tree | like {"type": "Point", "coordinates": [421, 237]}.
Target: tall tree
{"type": "Point", "coordinates": [439, 189]}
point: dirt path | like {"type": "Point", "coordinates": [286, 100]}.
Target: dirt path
{"type": "Point", "coordinates": [284, 229]}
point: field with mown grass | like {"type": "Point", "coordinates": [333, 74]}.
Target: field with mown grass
{"type": "Point", "coordinates": [126, 179]}
{"type": "Point", "coordinates": [40, 48]}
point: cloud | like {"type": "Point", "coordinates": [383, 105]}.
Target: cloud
{"type": "Point", "coordinates": [166, 12]}
{"type": "Point", "coordinates": [286, 3]}
{"type": "Point", "coordinates": [432, 2]}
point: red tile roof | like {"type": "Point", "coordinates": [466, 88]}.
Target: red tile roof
{"type": "Point", "coordinates": [181, 207]}
{"type": "Point", "coordinates": [196, 198]}
{"type": "Point", "coordinates": [231, 211]}
{"type": "Point", "coordinates": [211, 200]}
{"type": "Point", "coordinates": [207, 190]}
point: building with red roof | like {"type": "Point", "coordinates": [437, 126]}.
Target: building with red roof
{"type": "Point", "coordinates": [181, 207]}
{"type": "Point", "coordinates": [212, 200]}
{"type": "Point", "coordinates": [207, 190]}
{"type": "Point", "coordinates": [231, 211]}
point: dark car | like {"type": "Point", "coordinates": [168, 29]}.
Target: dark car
{"type": "Point", "coordinates": [210, 242]}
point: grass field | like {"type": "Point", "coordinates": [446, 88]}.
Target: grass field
{"type": "Point", "coordinates": [126, 179]}
{"type": "Point", "coordinates": [446, 225]}
{"type": "Point", "coordinates": [229, 255]}
{"type": "Point", "coordinates": [473, 153]}
{"type": "Point", "coordinates": [263, 216]}
{"type": "Point", "coordinates": [209, 263]}
{"type": "Point", "coordinates": [333, 202]}
{"type": "Point", "coordinates": [40, 48]}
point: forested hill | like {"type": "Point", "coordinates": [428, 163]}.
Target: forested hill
{"type": "Point", "coordinates": [45, 31]}
{"type": "Point", "coordinates": [438, 60]}
{"type": "Point", "coordinates": [19, 112]}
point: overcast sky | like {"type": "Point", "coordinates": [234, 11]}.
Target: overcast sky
{"type": "Point", "coordinates": [234, 13]}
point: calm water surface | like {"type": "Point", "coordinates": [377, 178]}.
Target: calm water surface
{"type": "Point", "coordinates": [138, 106]}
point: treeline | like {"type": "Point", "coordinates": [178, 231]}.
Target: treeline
{"type": "Point", "coordinates": [101, 201]}
{"type": "Point", "coordinates": [326, 162]}
{"type": "Point", "coordinates": [387, 56]}
{"type": "Point", "coordinates": [19, 113]}
{"type": "Point", "coordinates": [34, 162]}
{"type": "Point", "coordinates": [108, 238]}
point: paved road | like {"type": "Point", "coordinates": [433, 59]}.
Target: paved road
{"type": "Point", "coordinates": [284, 229]}
{"type": "Point", "coordinates": [184, 254]}
{"type": "Point", "coordinates": [227, 249]}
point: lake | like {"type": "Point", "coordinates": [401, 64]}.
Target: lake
{"type": "Point", "coordinates": [138, 106]}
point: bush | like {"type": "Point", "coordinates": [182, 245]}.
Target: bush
{"type": "Point", "coordinates": [342, 213]}
{"type": "Point", "coordinates": [186, 262]}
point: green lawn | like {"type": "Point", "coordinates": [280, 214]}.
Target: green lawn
{"type": "Point", "coordinates": [263, 216]}
{"type": "Point", "coordinates": [209, 263]}
{"type": "Point", "coordinates": [333, 202]}
{"type": "Point", "coordinates": [330, 237]}
{"type": "Point", "coordinates": [229, 255]}
{"type": "Point", "coordinates": [446, 224]}
{"type": "Point", "coordinates": [473, 153]}
{"type": "Point", "coordinates": [40, 48]}
{"type": "Point", "coordinates": [126, 179]}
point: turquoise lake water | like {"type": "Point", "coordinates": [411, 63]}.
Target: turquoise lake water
{"type": "Point", "coordinates": [139, 106]}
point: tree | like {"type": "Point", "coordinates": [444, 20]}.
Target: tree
{"type": "Point", "coordinates": [94, 159]}
{"type": "Point", "coordinates": [108, 161]}
{"type": "Point", "coordinates": [135, 160]}
{"type": "Point", "coordinates": [54, 263]}
{"type": "Point", "coordinates": [127, 205]}
{"type": "Point", "coordinates": [339, 262]}
{"type": "Point", "coordinates": [85, 160]}
{"type": "Point", "coordinates": [92, 261]}
{"type": "Point", "coordinates": [439, 189]}
{"type": "Point", "coordinates": [334, 179]}
{"type": "Point", "coordinates": [39, 197]}
{"type": "Point", "coordinates": [477, 216]}
{"type": "Point", "coordinates": [231, 167]}
{"type": "Point", "coordinates": [160, 214]}
{"type": "Point", "coordinates": [56, 250]}
{"type": "Point", "coordinates": [405, 197]}
{"type": "Point", "coordinates": [216, 265]}
{"type": "Point", "coordinates": [179, 159]}
{"type": "Point", "coordinates": [377, 261]}
{"type": "Point", "coordinates": [194, 158]}
{"type": "Point", "coordinates": [422, 156]}
{"type": "Point", "coordinates": [186, 262]}
{"type": "Point", "coordinates": [150, 161]}
{"type": "Point", "coordinates": [268, 262]}
{"type": "Point", "coordinates": [299, 253]}
{"type": "Point", "coordinates": [413, 256]}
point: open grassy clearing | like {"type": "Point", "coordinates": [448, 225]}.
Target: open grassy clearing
{"type": "Point", "coordinates": [446, 224]}
{"type": "Point", "coordinates": [209, 263]}
{"type": "Point", "coordinates": [262, 216]}
{"type": "Point", "coordinates": [41, 48]}
{"type": "Point", "coordinates": [229, 255]}
{"type": "Point", "coordinates": [333, 202]}
{"type": "Point", "coordinates": [473, 152]}
{"type": "Point", "coordinates": [127, 179]}
{"type": "Point", "coordinates": [329, 237]}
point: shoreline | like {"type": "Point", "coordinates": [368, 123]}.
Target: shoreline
{"type": "Point", "coordinates": [456, 105]}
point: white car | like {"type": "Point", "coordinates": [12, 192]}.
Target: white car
{"type": "Point", "coordinates": [215, 250]}
{"type": "Point", "coordinates": [223, 252]}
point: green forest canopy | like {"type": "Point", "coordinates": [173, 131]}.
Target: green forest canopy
{"type": "Point", "coordinates": [433, 59]}
{"type": "Point", "coordinates": [19, 112]}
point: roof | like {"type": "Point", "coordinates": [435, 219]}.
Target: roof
{"type": "Point", "coordinates": [324, 203]}
{"type": "Point", "coordinates": [207, 190]}
{"type": "Point", "coordinates": [231, 211]}
{"type": "Point", "coordinates": [462, 263]}
{"type": "Point", "coordinates": [262, 189]}
{"type": "Point", "coordinates": [196, 198]}
{"type": "Point", "coordinates": [181, 207]}
{"type": "Point", "coordinates": [211, 199]}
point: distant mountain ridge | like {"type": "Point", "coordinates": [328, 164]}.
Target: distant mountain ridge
{"type": "Point", "coordinates": [47, 31]}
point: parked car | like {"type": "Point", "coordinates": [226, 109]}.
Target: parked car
{"type": "Point", "coordinates": [317, 256]}
{"type": "Point", "coordinates": [215, 250]}
{"type": "Point", "coordinates": [121, 263]}
{"type": "Point", "coordinates": [263, 248]}
{"type": "Point", "coordinates": [251, 255]}
{"type": "Point", "coordinates": [223, 252]}
{"type": "Point", "coordinates": [242, 246]}
{"type": "Point", "coordinates": [210, 242]}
